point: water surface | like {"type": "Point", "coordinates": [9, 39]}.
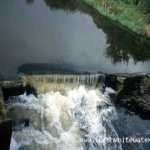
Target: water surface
{"type": "Point", "coordinates": [68, 34]}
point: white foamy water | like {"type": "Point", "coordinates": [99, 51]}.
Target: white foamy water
{"type": "Point", "coordinates": [78, 119]}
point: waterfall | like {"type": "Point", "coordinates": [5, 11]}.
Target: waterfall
{"type": "Point", "coordinates": [88, 80]}
{"type": "Point", "coordinates": [78, 119]}
{"type": "Point", "coordinates": [59, 82]}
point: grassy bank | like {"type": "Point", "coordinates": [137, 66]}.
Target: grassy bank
{"type": "Point", "coordinates": [127, 14]}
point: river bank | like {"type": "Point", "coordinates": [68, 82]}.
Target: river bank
{"type": "Point", "coordinates": [126, 14]}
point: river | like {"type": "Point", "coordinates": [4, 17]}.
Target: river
{"type": "Point", "coordinates": [67, 36]}
{"type": "Point", "coordinates": [43, 35]}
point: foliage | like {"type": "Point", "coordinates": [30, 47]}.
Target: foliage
{"type": "Point", "coordinates": [143, 4]}
{"type": "Point", "coordinates": [121, 43]}
{"type": "Point", "coordinates": [133, 14]}
{"type": "Point", "coordinates": [30, 1]}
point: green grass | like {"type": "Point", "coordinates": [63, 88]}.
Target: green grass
{"type": "Point", "coordinates": [128, 15]}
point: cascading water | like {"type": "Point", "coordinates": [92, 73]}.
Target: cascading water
{"type": "Point", "coordinates": [77, 119]}
{"type": "Point", "coordinates": [59, 82]}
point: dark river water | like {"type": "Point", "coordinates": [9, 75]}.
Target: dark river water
{"type": "Point", "coordinates": [45, 34]}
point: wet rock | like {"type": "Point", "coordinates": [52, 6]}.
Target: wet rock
{"type": "Point", "coordinates": [110, 81]}
{"type": "Point", "coordinates": [5, 125]}
{"type": "Point", "coordinates": [134, 93]}
{"type": "Point", "coordinates": [110, 93]}
{"type": "Point", "coordinates": [12, 83]}
{"type": "Point", "coordinates": [102, 105]}
{"type": "Point", "coordinates": [16, 86]}
{"type": "Point", "coordinates": [13, 91]}
{"type": "Point", "coordinates": [5, 134]}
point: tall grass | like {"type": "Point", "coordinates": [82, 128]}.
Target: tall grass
{"type": "Point", "coordinates": [133, 14]}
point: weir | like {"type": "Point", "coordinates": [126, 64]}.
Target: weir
{"type": "Point", "coordinates": [38, 84]}
{"type": "Point", "coordinates": [60, 82]}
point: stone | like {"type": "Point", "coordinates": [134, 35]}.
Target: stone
{"type": "Point", "coordinates": [5, 125]}
{"type": "Point", "coordinates": [5, 134]}
{"type": "Point", "coordinates": [120, 79]}
{"type": "Point", "coordinates": [134, 93]}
